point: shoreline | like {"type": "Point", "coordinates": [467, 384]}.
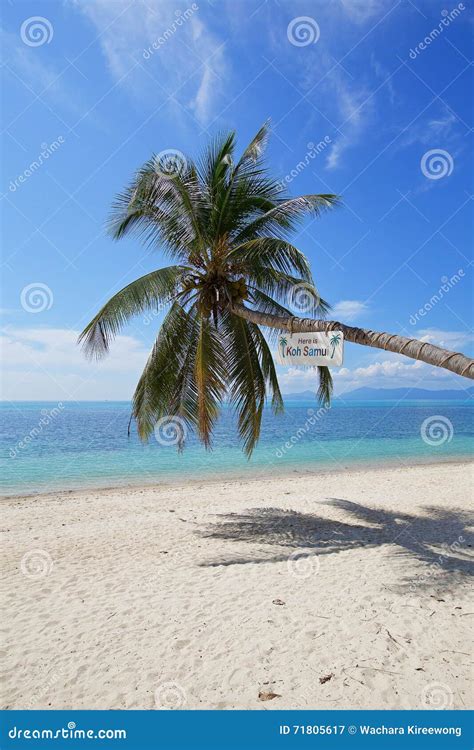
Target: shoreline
{"type": "Point", "coordinates": [225, 590]}
{"type": "Point", "coordinates": [288, 471]}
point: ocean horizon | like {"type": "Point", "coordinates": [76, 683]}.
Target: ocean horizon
{"type": "Point", "coordinates": [56, 446]}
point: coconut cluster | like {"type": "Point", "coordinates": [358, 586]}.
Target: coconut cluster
{"type": "Point", "coordinates": [216, 293]}
{"type": "Point", "coordinates": [238, 290]}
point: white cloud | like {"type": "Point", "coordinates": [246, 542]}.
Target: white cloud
{"type": "Point", "coordinates": [295, 380]}
{"type": "Point", "coordinates": [47, 364]}
{"type": "Point", "coordinates": [385, 373]}
{"type": "Point", "coordinates": [446, 339]}
{"type": "Point", "coordinates": [348, 310]}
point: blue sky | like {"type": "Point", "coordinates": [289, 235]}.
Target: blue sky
{"type": "Point", "coordinates": [100, 85]}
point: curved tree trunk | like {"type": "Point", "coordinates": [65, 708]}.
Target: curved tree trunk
{"type": "Point", "coordinates": [419, 350]}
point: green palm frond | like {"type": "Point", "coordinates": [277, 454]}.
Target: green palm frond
{"type": "Point", "coordinates": [267, 304]}
{"type": "Point", "coordinates": [325, 388]}
{"type": "Point", "coordinates": [246, 379]}
{"type": "Point", "coordinates": [273, 253]}
{"type": "Point", "coordinates": [210, 375]}
{"type": "Point", "coordinates": [161, 211]}
{"type": "Point", "coordinates": [167, 386]}
{"type": "Point", "coordinates": [256, 147]}
{"type": "Point", "coordinates": [268, 368]}
{"type": "Point", "coordinates": [146, 293]}
{"type": "Point", "coordinates": [246, 188]}
{"type": "Point", "coordinates": [283, 217]}
{"type": "Point", "coordinates": [284, 289]}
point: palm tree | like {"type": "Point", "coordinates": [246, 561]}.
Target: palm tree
{"type": "Point", "coordinates": [226, 223]}
{"type": "Point", "coordinates": [334, 341]}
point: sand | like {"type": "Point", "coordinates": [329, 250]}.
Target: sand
{"type": "Point", "coordinates": [340, 591]}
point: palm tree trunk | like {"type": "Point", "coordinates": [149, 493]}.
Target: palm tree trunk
{"type": "Point", "coordinates": [419, 350]}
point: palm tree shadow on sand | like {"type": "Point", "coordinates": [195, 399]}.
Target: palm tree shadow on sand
{"type": "Point", "coordinates": [440, 539]}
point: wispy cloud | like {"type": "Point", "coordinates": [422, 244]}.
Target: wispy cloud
{"type": "Point", "coordinates": [385, 75]}
{"type": "Point", "coordinates": [362, 11]}
{"type": "Point", "coordinates": [355, 111]}
{"type": "Point", "coordinates": [325, 70]}
{"type": "Point", "coordinates": [150, 43]}
{"type": "Point", "coordinates": [433, 131]}
{"type": "Point", "coordinates": [348, 105]}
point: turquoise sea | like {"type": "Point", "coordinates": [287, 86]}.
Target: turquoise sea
{"type": "Point", "coordinates": [62, 446]}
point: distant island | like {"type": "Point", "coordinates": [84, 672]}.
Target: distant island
{"type": "Point", "coordinates": [390, 394]}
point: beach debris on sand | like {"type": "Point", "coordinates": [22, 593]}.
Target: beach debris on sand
{"type": "Point", "coordinates": [264, 696]}
{"type": "Point", "coordinates": [326, 678]}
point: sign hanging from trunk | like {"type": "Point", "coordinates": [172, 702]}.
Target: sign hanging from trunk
{"type": "Point", "coordinates": [311, 349]}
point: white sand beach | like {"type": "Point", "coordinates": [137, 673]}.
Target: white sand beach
{"type": "Point", "coordinates": [343, 590]}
